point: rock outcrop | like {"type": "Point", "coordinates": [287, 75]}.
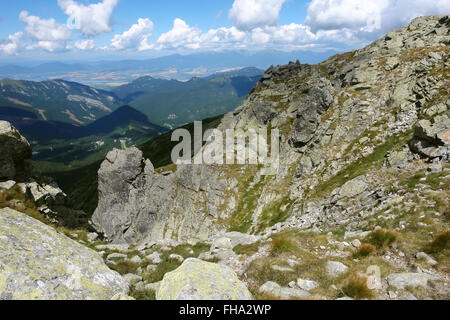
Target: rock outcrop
{"type": "Point", "coordinates": [14, 150]}
{"type": "Point", "coordinates": [136, 203]}
{"type": "Point", "coordinates": [200, 280]}
{"type": "Point", "coordinates": [46, 195]}
{"type": "Point", "coordinates": [38, 263]}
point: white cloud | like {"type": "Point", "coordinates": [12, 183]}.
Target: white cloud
{"type": "Point", "coordinates": [249, 14]}
{"type": "Point", "coordinates": [13, 44]}
{"type": "Point", "coordinates": [84, 45]}
{"type": "Point", "coordinates": [47, 33]}
{"type": "Point", "coordinates": [181, 35]}
{"type": "Point", "coordinates": [136, 37]}
{"type": "Point", "coordinates": [92, 19]}
{"type": "Point", "coordinates": [184, 37]}
{"type": "Point", "coordinates": [369, 18]}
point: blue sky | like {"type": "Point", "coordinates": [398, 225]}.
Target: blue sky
{"type": "Point", "coordinates": [148, 28]}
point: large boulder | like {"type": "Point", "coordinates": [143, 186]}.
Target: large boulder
{"type": "Point", "coordinates": [14, 150]}
{"type": "Point", "coordinates": [38, 263]}
{"type": "Point", "coordinates": [200, 280]}
{"type": "Point", "coordinates": [138, 205]}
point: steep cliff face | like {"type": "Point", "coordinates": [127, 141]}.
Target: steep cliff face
{"type": "Point", "coordinates": [14, 150]}
{"type": "Point", "coordinates": [357, 131]}
{"type": "Point", "coordinates": [136, 203]}
{"type": "Point", "coordinates": [42, 193]}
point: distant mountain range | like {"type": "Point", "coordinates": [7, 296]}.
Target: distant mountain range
{"type": "Point", "coordinates": [169, 67]}
{"type": "Point", "coordinates": [58, 100]}
{"type": "Point", "coordinates": [173, 103]}
{"type": "Point", "coordinates": [165, 102]}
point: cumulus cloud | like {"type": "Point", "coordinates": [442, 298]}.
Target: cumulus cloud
{"type": "Point", "coordinates": [13, 44]}
{"type": "Point", "coordinates": [181, 35]}
{"type": "Point", "coordinates": [249, 14]}
{"type": "Point", "coordinates": [84, 45]}
{"type": "Point", "coordinates": [136, 37]}
{"type": "Point", "coordinates": [47, 33]}
{"type": "Point", "coordinates": [369, 18]}
{"type": "Point", "coordinates": [92, 19]}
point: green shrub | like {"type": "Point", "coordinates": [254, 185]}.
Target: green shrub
{"type": "Point", "coordinates": [440, 242]}
{"type": "Point", "coordinates": [383, 237]}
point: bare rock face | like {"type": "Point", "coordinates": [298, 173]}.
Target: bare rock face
{"type": "Point", "coordinates": [136, 204]}
{"type": "Point", "coordinates": [14, 150]}
{"type": "Point", "coordinates": [37, 262]}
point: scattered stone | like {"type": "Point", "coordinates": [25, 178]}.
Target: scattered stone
{"type": "Point", "coordinates": [92, 236]}
{"type": "Point", "coordinates": [292, 262]}
{"type": "Point", "coordinates": [222, 243]}
{"type": "Point", "coordinates": [132, 278]}
{"type": "Point", "coordinates": [356, 243]}
{"type": "Point", "coordinates": [199, 280]}
{"type": "Point", "coordinates": [151, 268]}
{"type": "Point", "coordinates": [404, 280]}
{"type": "Point", "coordinates": [427, 258]}
{"type": "Point", "coordinates": [7, 185]}
{"type": "Point", "coordinates": [282, 269]}
{"type": "Point", "coordinates": [353, 188]}
{"type": "Point", "coordinates": [116, 256]}
{"type": "Point", "coordinates": [155, 257]}
{"type": "Point", "coordinates": [307, 284]}
{"type": "Point", "coordinates": [335, 268]}
{"type": "Point", "coordinates": [176, 257]}
{"type": "Point", "coordinates": [273, 289]}
{"type": "Point", "coordinates": [136, 260]}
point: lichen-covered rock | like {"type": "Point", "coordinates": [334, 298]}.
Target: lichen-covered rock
{"type": "Point", "coordinates": [199, 280]}
{"type": "Point", "coordinates": [14, 150]}
{"type": "Point", "coordinates": [273, 289]}
{"type": "Point", "coordinates": [38, 263]}
{"type": "Point", "coordinates": [335, 268]}
{"type": "Point", "coordinates": [432, 138]}
{"type": "Point", "coordinates": [404, 280]}
{"type": "Point", "coordinates": [136, 204]}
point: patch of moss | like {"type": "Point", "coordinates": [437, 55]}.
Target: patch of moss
{"type": "Point", "coordinates": [247, 249]}
{"type": "Point", "coordinates": [361, 166]}
{"type": "Point", "coordinates": [241, 219]}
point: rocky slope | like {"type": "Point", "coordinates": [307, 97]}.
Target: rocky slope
{"type": "Point", "coordinates": [364, 156]}
{"type": "Point", "coordinates": [348, 125]}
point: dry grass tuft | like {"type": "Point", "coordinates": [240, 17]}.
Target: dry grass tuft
{"type": "Point", "coordinates": [365, 250]}
{"type": "Point", "coordinates": [282, 245]}
{"type": "Point", "coordinates": [356, 287]}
